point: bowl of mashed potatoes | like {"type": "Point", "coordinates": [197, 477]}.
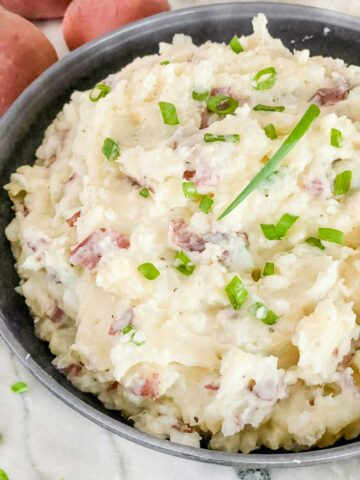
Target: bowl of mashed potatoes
{"type": "Point", "coordinates": [160, 302]}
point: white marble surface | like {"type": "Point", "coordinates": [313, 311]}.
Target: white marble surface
{"type": "Point", "coordinates": [42, 439]}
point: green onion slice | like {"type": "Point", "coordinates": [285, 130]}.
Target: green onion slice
{"type": "Point", "coordinates": [144, 192]}
{"type": "Point", "coordinates": [169, 114]}
{"type": "Point", "coordinates": [270, 131]}
{"type": "Point", "coordinates": [315, 242]}
{"type": "Point", "coordinates": [206, 203]}
{"type": "Point", "coordinates": [200, 96]}
{"type": "Point", "coordinates": [271, 76]}
{"type": "Point", "coordinates": [269, 269]}
{"type": "Point", "coordinates": [342, 182]}
{"type": "Point", "coordinates": [148, 270]}
{"type": "Point", "coordinates": [183, 264]}
{"type": "Point", "coordinates": [189, 189]}
{"type": "Point", "coordinates": [132, 331]}
{"type": "Point", "coordinates": [222, 104]}
{"type": "Point", "coordinates": [278, 231]}
{"type": "Point", "coordinates": [268, 108]}
{"type": "Point", "coordinates": [111, 149]}
{"type": "Point", "coordinates": [332, 235]}
{"type": "Point", "coordinates": [289, 143]}
{"type": "Point", "coordinates": [263, 313]}
{"type": "Point", "coordinates": [99, 91]}
{"type": "Point", "coordinates": [235, 45]}
{"type": "Point", "coordinates": [236, 292]}
{"type": "Point", "coordinates": [19, 387]}
{"type": "Point", "coordinates": [336, 138]}
{"type": "Point", "coordinates": [3, 475]}
{"type": "Point", "coordinates": [210, 137]}
{"type": "Point", "coordinates": [165, 62]}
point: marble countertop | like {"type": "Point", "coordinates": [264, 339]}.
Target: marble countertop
{"type": "Point", "coordinates": [43, 439]}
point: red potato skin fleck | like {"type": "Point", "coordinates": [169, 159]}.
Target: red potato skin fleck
{"type": "Point", "coordinates": [149, 388]}
{"type": "Point", "coordinates": [73, 369]}
{"type": "Point", "coordinates": [122, 322]}
{"type": "Point", "coordinates": [57, 314]}
{"type": "Point", "coordinates": [73, 219]}
{"type": "Point", "coordinates": [25, 53]}
{"type": "Point", "coordinates": [315, 187]}
{"type": "Point", "coordinates": [184, 238]}
{"type": "Point", "coordinates": [330, 96]}
{"type": "Point", "coordinates": [85, 20]}
{"type": "Point", "coordinates": [212, 386]}
{"type": "Point", "coordinates": [37, 9]}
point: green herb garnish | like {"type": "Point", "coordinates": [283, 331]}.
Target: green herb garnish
{"type": "Point", "coordinates": [189, 189]}
{"type": "Point", "coordinates": [336, 138]}
{"type": "Point", "coordinates": [3, 475]}
{"type": "Point", "coordinates": [268, 108]}
{"type": "Point", "coordinates": [271, 76]}
{"type": "Point", "coordinates": [278, 231]}
{"type": "Point", "coordinates": [19, 387]}
{"type": "Point", "coordinates": [210, 137]}
{"type": "Point", "coordinates": [269, 269]}
{"type": "Point", "coordinates": [332, 235]}
{"type": "Point", "coordinates": [132, 332]}
{"type": "Point", "coordinates": [236, 292]}
{"type": "Point", "coordinates": [235, 45]}
{"type": "Point", "coordinates": [183, 264]}
{"type": "Point", "coordinates": [169, 114]}
{"type": "Point", "coordinates": [263, 313]}
{"type": "Point", "coordinates": [270, 131]}
{"type": "Point", "coordinates": [99, 91]}
{"type": "Point", "coordinates": [111, 149]}
{"type": "Point", "coordinates": [206, 203]}
{"type": "Point", "coordinates": [148, 270]}
{"type": "Point", "coordinates": [144, 192]}
{"type": "Point", "coordinates": [222, 104]}
{"type": "Point", "coordinates": [165, 62]}
{"type": "Point", "coordinates": [289, 143]}
{"type": "Point", "coordinates": [315, 242]}
{"type": "Point", "coordinates": [200, 96]}
{"type": "Point", "coordinates": [342, 182]}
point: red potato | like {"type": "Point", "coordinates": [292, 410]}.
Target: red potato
{"type": "Point", "coordinates": [25, 52]}
{"type": "Point", "coordinates": [37, 9]}
{"type": "Point", "coordinates": [85, 20]}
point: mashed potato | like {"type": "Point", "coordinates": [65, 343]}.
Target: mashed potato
{"type": "Point", "coordinates": [126, 267]}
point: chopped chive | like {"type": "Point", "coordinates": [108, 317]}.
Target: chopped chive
{"type": "Point", "coordinates": [235, 45]}
{"type": "Point", "coordinates": [263, 313]}
{"type": "Point", "coordinates": [169, 114]}
{"type": "Point", "coordinates": [99, 91]}
{"type": "Point", "coordinates": [289, 143]}
{"type": "Point", "coordinates": [270, 131]}
{"type": "Point", "coordinates": [111, 149]}
{"type": "Point", "coordinates": [183, 264]}
{"type": "Point", "coordinates": [269, 269]}
{"type": "Point", "coordinates": [206, 203]}
{"type": "Point", "coordinates": [268, 108]}
{"type": "Point", "coordinates": [278, 231]}
{"type": "Point", "coordinates": [236, 292]}
{"type": "Point", "coordinates": [336, 138]}
{"type": "Point", "coordinates": [256, 274]}
{"type": "Point", "coordinates": [210, 137]}
{"type": "Point", "coordinates": [200, 96]}
{"type": "Point", "coordinates": [189, 189]}
{"type": "Point", "coordinates": [271, 76]}
{"type": "Point", "coordinates": [222, 104]}
{"type": "Point", "coordinates": [165, 62]}
{"type": "Point", "coordinates": [130, 329]}
{"type": "Point", "coordinates": [315, 242]}
{"type": "Point", "coordinates": [342, 182]}
{"type": "Point", "coordinates": [3, 475]}
{"type": "Point", "coordinates": [19, 387]}
{"type": "Point", "coordinates": [148, 270]}
{"type": "Point", "coordinates": [332, 235]}
{"type": "Point", "coordinates": [144, 192]}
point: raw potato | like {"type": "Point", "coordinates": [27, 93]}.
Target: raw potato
{"type": "Point", "coordinates": [24, 54]}
{"type": "Point", "coordinates": [85, 20]}
{"type": "Point", "coordinates": [37, 9]}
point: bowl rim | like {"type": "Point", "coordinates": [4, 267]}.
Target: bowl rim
{"type": "Point", "coordinates": [23, 104]}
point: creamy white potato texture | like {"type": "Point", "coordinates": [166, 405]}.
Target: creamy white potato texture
{"type": "Point", "coordinates": [120, 182]}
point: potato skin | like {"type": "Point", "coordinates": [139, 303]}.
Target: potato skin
{"type": "Point", "coordinates": [37, 9]}
{"type": "Point", "coordinates": [85, 20]}
{"type": "Point", "coordinates": [25, 53]}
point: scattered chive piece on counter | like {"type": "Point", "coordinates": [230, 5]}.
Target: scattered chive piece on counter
{"type": "Point", "coordinates": [332, 235]}
{"type": "Point", "coordinates": [222, 104]}
{"type": "Point", "coordinates": [200, 96]}
{"type": "Point", "coordinates": [342, 182]}
{"type": "Point", "coordinates": [19, 387]}
{"type": "Point", "coordinates": [3, 475]}
{"type": "Point", "coordinates": [261, 312]}
{"type": "Point", "coordinates": [269, 269]}
{"type": "Point", "coordinates": [189, 189]}
{"type": "Point", "coordinates": [165, 62]}
{"type": "Point", "coordinates": [315, 242]}
{"type": "Point", "coordinates": [278, 231]}
{"type": "Point", "coordinates": [210, 137]}
{"type": "Point", "coordinates": [289, 143]}
{"type": "Point", "coordinates": [268, 108]}
{"type": "Point", "coordinates": [111, 149]}
{"type": "Point", "coordinates": [99, 91]}
{"type": "Point", "coordinates": [336, 138]}
{"type": "Point", "coordinates": [206, 203]}
{"type": "Point", "coordinates": [144, 192]}
{"type": "Point", "coordinates": [236, 292]}
{"type": "Point", "coordinates": [271, 76]}
{"type": "Point", "coordinates": [169, 114]}
{"type": "Point", "coordinates": [183, 264]}
{"type": "Point", "coordinates": [235, 45]}
{"type": "Point", "coordinates": [270, 131]}
{"type": "Point", "coordinates": [148, 270]}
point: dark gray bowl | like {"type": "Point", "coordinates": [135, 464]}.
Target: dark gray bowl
{"type": "Point", "coordinates": [21, 131]}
